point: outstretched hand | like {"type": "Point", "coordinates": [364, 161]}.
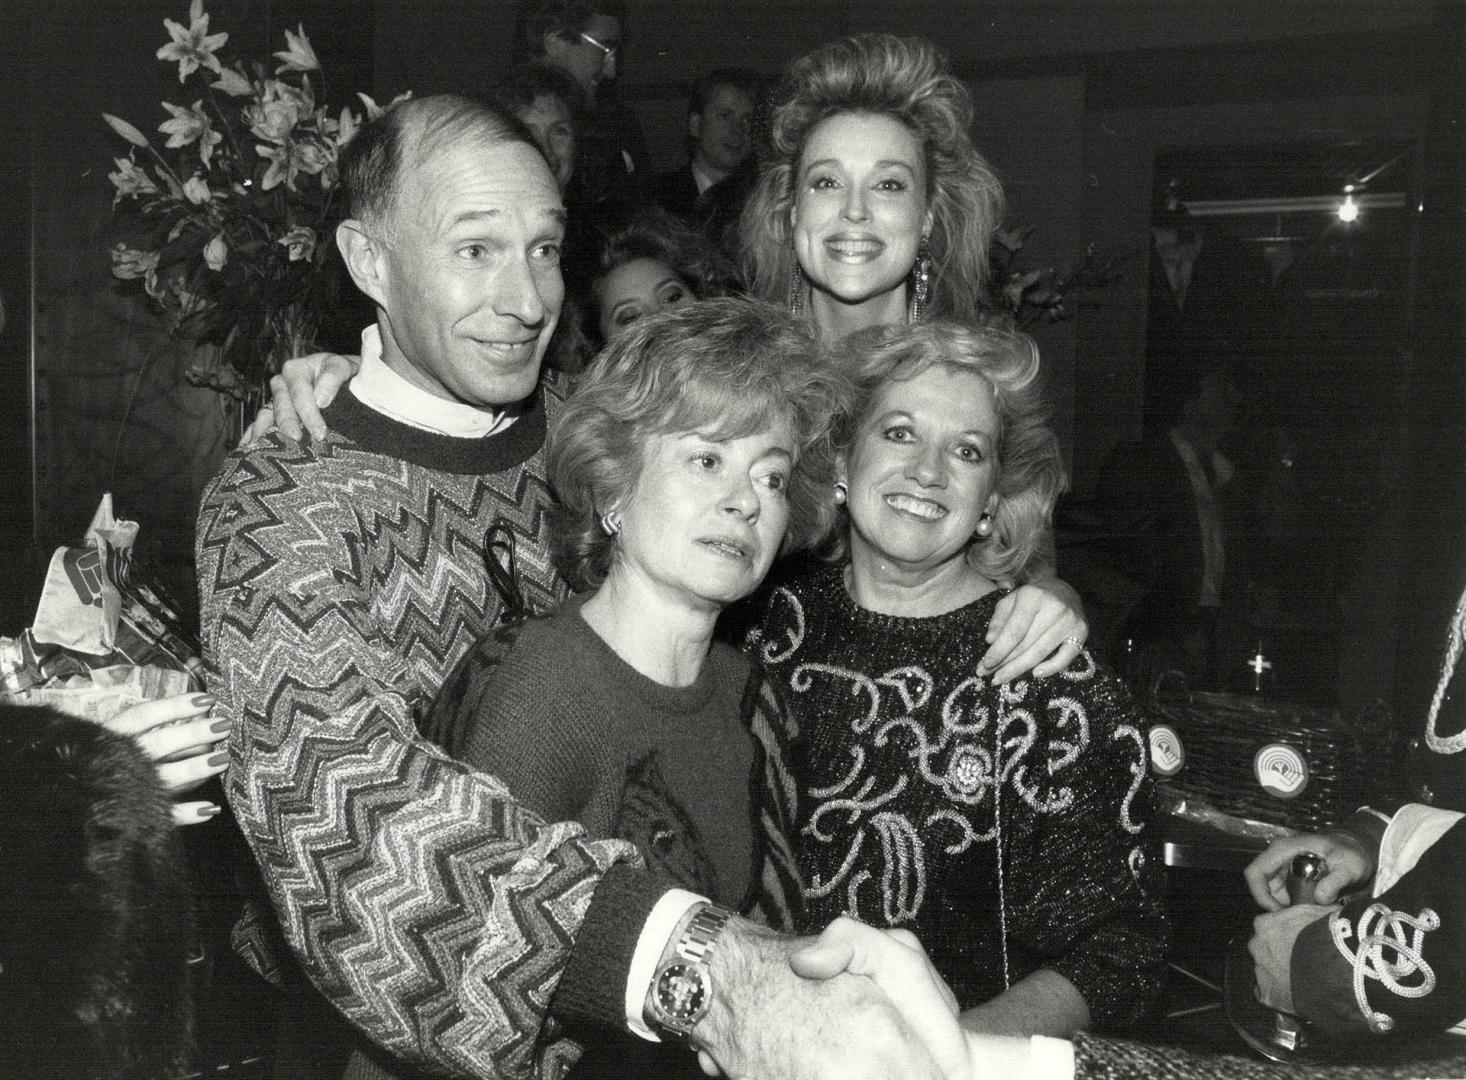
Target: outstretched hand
{"type": "Point", "coordinates": [1037, 627]}
{"type": "Point", "coordinates": [1349, 865]}
{"type": "Point", "coordinates": [770, 1023]}
{"type": "Point", "coordinates": [896, 962]}
{"type": "Point", "coordinates": [305, 386]}
{"type": "Point", "coordinates": [183, 742]}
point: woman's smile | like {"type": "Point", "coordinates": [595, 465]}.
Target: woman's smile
{"type": "Point", "coordinates": [916, 506]}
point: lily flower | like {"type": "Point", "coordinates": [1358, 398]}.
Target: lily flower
{"type": "Point", "coordinates": [347, 127]}
{"type": "Point", "coordinates": [309, 158]}
{"type": "Point", "coordinates": [192, 46]}
{"type": "Point", "coordinates": [233, 83]}
{"type": "Point", "coordinates": [196, 191]}
{"type": "Point", "coordinates": [188, 126]}
{"type": "Point", "coordinates": [129, 263]}
{"type": "Point", "coordinates": [272, 119]}
{"type": "Point", "coordinates": [216, 252]}
{"type": "Point", "coordinates": [297, 54]}
{"type": "Point", "coordinates": [299, 242]}
{"type": "Point", "coordinates": [130, 179]}
{"type": "Point", "coordinates": [153, 285]}
{"type": "Point", "coordinates": [126, 130]}
{"type": "Point", "coordinates": [279, 171]}
{"type": "Point", "coordinates": [373, 110]}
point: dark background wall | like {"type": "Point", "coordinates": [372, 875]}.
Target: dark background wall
{"type": "Point", "coordinates": [1074, 99]}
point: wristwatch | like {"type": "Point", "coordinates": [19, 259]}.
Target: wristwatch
{"type": "Point", "coordinates": [682, 989]}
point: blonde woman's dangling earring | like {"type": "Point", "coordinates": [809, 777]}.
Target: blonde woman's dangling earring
{"type": "Point", "coordinates": [921, 276]}
{"type": "Point", "coordinates": [842, 492]}
{"type": "Point", "coordinates": [796, 283]}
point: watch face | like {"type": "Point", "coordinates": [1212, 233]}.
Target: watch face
{"type": "Point", "coordinates": [682, 993]}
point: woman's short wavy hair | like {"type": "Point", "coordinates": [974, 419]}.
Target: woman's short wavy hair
{"type": "Point", "coordinates": [1030, 467]}
{"type": "Point", "coordinates": [905, 78]}
{"type": "Point", "coordinates": [725, 367]}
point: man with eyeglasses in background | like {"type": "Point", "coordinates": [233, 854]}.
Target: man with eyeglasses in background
{"type": "Point", "coordinates": [583, 39]}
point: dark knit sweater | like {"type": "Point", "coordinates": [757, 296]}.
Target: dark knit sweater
{"type": "Point", "coordinates": [697, 777]}
{"type": "Point", "coordinates": [340, 580]}
{"type": "Point", "coordinates": [901, 823]}
{"type": "Point", "coordinates": [580, 735]}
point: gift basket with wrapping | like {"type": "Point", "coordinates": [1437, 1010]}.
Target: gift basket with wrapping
{"type": "Point", "coordinates": [106, 634]}
{"type": "Point", "coordinates": [1260, 760]}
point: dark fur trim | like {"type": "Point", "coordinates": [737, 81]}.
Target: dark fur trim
{"type": "Point", "coordinates": [93, 906]}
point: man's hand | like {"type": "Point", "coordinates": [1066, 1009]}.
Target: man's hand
{"type": "Point", "coordinates": [304, 387]}
{"type": "Point", "coordinates": [1038, 627]}
{"type": "Point", "coordinates": [1271, 947]}
{"type": "Point", "coordinates": [896, 962]}
{"type": "Point", "coordinates": [1349, 864]}
{"type": "Point", "coordinates": [768, 1022]}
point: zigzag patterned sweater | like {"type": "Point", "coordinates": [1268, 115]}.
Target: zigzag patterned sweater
{"type": "Point", "coordinates": [340, 581]}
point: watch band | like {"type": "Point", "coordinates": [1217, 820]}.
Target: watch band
{"type": "Point", "coordinates": [697, 941]}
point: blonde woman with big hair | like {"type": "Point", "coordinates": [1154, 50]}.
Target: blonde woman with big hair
{"type": "Point", "coordinates": [873, 206]}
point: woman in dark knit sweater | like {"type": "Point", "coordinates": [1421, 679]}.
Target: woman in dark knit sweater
{"type": "Point", "coordinates": [1007, 826]}
{"type": "Point", "coordinates": [693, 452]}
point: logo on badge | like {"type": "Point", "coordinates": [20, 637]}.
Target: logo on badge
{"type": "Point", "coordinates": [1281, 770]}
{"type": "Point", "coordinates": [1167, 755]}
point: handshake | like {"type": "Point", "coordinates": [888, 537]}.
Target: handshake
{"type": "Point", "coordinates": [853, 1003]}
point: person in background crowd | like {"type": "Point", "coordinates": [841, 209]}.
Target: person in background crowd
{"type": "Point", "coordinates": [94, 913]}
{"type": "Point", "coordinates": [710, 190]}
{"type": "Point", "coordinates": [341, 580]}
{"type": "Point", "coordinates": [875, 209]}
{"type": "Point", "coordinates": [583, 38]}
{"type": "Point", "coordinates": [548, 102]}
{"type": "Point", "coordinates": [655, 263]}
{"type": "Point", "coordinates": [1157, 547]}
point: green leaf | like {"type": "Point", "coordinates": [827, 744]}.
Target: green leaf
{"type": "Point", "coordinates": [126, 130]}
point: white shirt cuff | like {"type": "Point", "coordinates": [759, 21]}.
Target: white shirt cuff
{"type": "Point", "coordinates": [1050, 1059]}
{"type": "Point", "coordinates": [1412, 830]}
{"type": "Point", "coordinates": [659, 927]}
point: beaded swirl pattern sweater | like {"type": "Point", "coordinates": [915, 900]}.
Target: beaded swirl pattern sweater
{"type": "Point", "coordinates": [1008, 827]}
{"type": "Point", "coordinates": [340, 581]}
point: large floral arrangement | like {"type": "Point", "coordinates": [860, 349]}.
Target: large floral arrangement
{"type": "Point", "coordinates": [227, 225]}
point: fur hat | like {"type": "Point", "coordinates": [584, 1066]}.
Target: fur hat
{"type": "Point", "coordinates": [93, 906]}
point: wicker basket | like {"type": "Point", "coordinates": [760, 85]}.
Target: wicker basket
{"type": "Point", "coordinates": [1346, 755]}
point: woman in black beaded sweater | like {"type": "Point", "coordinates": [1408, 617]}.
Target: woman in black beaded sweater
{"type": "Point", "coordinates": [1006, 825]}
